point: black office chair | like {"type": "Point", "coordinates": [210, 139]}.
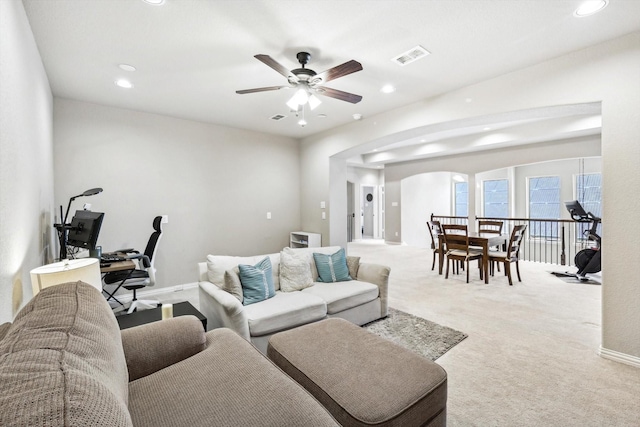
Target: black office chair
{"type": "Point", "coordinates": [144, 275]}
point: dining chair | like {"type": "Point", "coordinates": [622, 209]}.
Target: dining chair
{"type": "Point", "coordinates": [435, 230]}
{"type": "Point", "coordinates": [486, 226]}
{"type": "Point", "coordinates": [512, 253]}
{"type": "Point", "coordinates": [456, 238]}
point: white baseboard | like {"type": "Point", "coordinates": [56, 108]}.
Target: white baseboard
{"type": "Point", "coordinates": [619, 357]}
{"type": "Point", "coordinates": [151, 292]}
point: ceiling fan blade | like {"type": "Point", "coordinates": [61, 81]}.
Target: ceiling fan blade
{"type": "Point", "coordinates": [337, 71]}
{"type": "Point", "coordinates": [270, 62]}
{"type": "Point", "coordinates": [260, 89]}
{"type": "Point", "coordinates": [338, 94]}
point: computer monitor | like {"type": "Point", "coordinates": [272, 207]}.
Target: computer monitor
{"type": "Point", "coordinates": [85, 227]}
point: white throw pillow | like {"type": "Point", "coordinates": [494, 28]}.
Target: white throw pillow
{"type": "Point", "coordinates": [295, 270]}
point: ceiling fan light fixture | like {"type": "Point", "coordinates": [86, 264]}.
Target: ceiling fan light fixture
{"type": "Point", "coordinates": [292, 104]}
{"type": "Point", "coordinates": [314, 101]}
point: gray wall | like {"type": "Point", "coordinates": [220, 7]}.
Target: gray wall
{"type": "Point", "coordinates": [26, 165]}
{"type": "Point", "coordinates": [608, 73]}
{"type": "Point", "coordinates": [215, 183]}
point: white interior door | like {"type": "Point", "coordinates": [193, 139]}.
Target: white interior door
{"type": "Point", "coordinates": [368, 212]}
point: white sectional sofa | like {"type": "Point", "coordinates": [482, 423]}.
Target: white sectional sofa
{"type": "Point", "coordinates": [359, 301]}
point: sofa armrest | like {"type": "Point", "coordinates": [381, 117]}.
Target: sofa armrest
{"type": "Point", "coordinates": [222, 309]}
{"type": "Point", "coordinates": [154, 346]}
{"type": "Point", "coordinates": [379, 276]}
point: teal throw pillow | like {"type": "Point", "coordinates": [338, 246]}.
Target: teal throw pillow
{"type": "Point", "coordinates": [256, 281]}
{"type": "Point", "coordinates": [332, 268]}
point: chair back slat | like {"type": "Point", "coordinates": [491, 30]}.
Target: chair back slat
{"type": "Point", "coordinates": [490, 227]}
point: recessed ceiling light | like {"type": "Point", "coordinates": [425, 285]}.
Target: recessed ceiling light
{"type": "Point", "coordinates": [387, 89]}
{"type": "Point", "coordinates": [590, 7]}
{"type": "Point", "coordinates": [468, 100]}
{"type": "Point", "coordinates": [423, 140]}
{"type": "Point", "coordinates": [322, 116]}
{"type": "Point", "coordinates": [127, 67]}
{"type": "Point", "coordinates": [375, 150]}
{"type": "Point", "coordinates": [487, 128]}
{"type": "Point", "coordinates": [357, 116]}
{"type": "Point", "coordinates": [154, 2]}
{"type": "Point", "coordinates": [123, 83]}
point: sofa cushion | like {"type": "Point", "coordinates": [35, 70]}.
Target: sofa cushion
{"type": "Point", "coordinates": [295, 270]}
{"type": "Point", "coordinates": [62, 363]}
{"type": "Point", "coordinates": [230, 383]}
{"type": "Point", "coordinates": [218, 264]}
{"type": "Point", "coordinates": [257, 282]}
{"type": "Point", "coordinates": [284, 311]}
{"type": "Point", "coordinates": [332, 268]}
{"type": "Point", "coordinates": [342, 296]}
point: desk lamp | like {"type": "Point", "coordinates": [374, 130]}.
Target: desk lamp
{"type": "Point", "coordinates": [68, 270]}
{"type": "Point", "coordinates": [63, 227]}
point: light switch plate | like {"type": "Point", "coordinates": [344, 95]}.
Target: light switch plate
{"type": "Point", "coordinates": [323, 205]}
{"type": "Point", "coordinates": [268, 215]}
{"type": "Point", "coordinates": [165, 219]}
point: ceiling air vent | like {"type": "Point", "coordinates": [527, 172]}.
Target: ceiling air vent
{"type": "Point", "coordinates": [277, 117]}
{"type": "Point", "coordinates": [410, 56]}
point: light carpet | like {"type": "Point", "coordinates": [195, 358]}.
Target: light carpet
{"type": "Point", "coordinates": [416, 334]}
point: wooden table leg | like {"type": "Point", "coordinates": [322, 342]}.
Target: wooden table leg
{"type": "Point", "coordinates": [440, 254]}
{"type": "Point", "coordinates": [485, 260]}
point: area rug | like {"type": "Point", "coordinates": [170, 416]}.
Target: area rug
{"type": "Point", "coordinates": [416, 334]}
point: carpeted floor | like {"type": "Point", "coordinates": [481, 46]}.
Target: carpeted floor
{"type": "Point", "coordinates": [416, 334]}
{"type": "Point", "coordinates": [531, 358]}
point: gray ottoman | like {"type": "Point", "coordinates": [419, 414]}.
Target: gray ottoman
{"type": "Point", "coordinates": [362, 379]}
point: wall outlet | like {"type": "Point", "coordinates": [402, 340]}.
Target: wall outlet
{"type": "Point", "coordinates": [165, 219]}
{"type": "Point", "coordinates": [324, 215]}
{"type": "Point", "coordinates": [396, 234]}
{"type": "Point", "coordinates": [268, 215]}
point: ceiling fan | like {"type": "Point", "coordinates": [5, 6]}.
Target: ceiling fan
{"type": "Point", "coordinates": [308, 82]}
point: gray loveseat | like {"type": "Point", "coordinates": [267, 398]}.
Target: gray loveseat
{"type": "Point", "coordinates": [64, 362]}
{"type": "Point", "coordinates": [359, 301]}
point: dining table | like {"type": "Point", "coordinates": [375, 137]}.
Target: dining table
{"type": "Point", "coordinates": [483, 240]}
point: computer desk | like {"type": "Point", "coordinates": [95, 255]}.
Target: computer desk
{"type": "Point", "coordinates": [118, 266]}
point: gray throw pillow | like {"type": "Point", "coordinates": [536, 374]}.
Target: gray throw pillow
{"type": "Point", "coordinates": [353, 263]}
{"type": "Point", "coordinates": [232, 283]}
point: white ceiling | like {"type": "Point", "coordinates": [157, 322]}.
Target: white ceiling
{"type": "Point", "coordinates": [192, 55]}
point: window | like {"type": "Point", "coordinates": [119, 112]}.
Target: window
{"type": "Point", "coordinates": [462, 198]}
{"type": "Point", "coordinates": [544, 203]}
{"type": "Point", "coordinates": [496, 198]}
{"type": "Point", "coordinates": [589, 194]}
